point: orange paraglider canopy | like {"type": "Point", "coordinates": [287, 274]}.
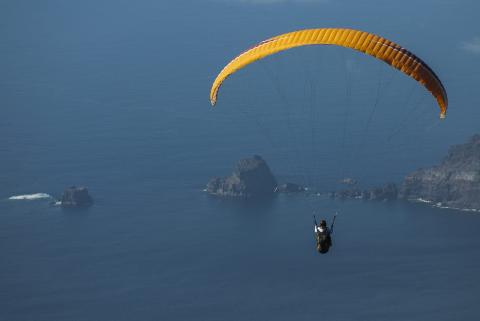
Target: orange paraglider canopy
{"type": "Point", "coordinates": [370, 44]}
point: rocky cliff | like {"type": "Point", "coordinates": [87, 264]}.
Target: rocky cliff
{"type": "Point", "coordinates": [454, 183]}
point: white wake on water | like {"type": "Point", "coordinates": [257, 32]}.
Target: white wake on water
{"type": "Point", "coordinates": [31, 197]}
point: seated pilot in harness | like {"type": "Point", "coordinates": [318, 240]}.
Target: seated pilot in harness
{"type": "Point", "coordinates": [323, 236]}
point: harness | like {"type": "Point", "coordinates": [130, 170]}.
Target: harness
{"type": "Point", "coordinates": [323, 236]}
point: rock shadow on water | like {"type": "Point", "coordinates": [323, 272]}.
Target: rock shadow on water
{"type": "Point", "coordinates": [252, 204]}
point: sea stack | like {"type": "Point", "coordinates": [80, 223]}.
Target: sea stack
{"type": "Point", "coordinates": [251, 178]}
{"type": "Point", "coordinates": [76, 197]}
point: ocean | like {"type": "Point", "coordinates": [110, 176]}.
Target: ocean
{"type": "Point", "coordinates": [113, 95]}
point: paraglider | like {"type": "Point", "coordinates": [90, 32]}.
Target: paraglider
{"type": "Point", "coordinates": [368, 43]}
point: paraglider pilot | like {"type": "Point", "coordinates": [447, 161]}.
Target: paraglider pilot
{"type": "Point", "coordinates": [323, 236]}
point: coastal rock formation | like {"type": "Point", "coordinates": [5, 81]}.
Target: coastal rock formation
{"type": "Point", "coordinates": [454, 183]}
{"type": "Point", "coordinates": [76, 197]}
{"type": "Point", "coordinates": [289, 188]}
{"type": "Point", "coordinates": [387, 192]}
{"type": "Point", "coordinates": [383, 193]}
{"type": "Point", "coordinates": [251, 178]}
{"type": "Point", "coordinates": [346, 193]}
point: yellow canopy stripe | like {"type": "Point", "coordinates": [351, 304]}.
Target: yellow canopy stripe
{"type": "Point", "coordinates": [373, 45]}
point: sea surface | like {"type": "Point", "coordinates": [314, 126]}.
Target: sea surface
{"type": "Point", "coordinates": [114, 95]}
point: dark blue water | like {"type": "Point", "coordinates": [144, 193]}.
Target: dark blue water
{"type": "Point", "coordinates": [114, 95]}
